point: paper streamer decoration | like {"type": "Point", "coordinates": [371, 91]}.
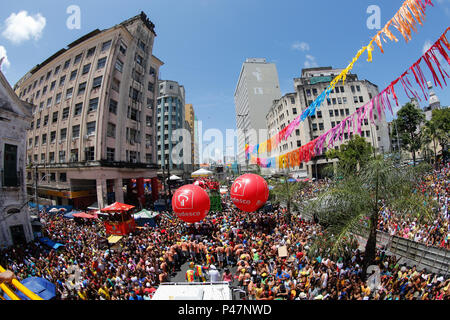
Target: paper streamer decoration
{"type": "Point", "coordinates": [411, 13]}
{"type": "Point", "coordinates": [378, 104]}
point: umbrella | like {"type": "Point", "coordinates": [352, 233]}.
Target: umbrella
{"type": "Point", "coordinates": [145, 214]}
{"type": "Point", "coordinates": [54, 210]}
{"type": "Point", "coordinates": [117, 207]}
{"type": "Point", "coordinates": [202, 173]}
{"type": "Point", "coordinates": [174, 178]}
{"type": "Point", "coordinates": [84, 215]}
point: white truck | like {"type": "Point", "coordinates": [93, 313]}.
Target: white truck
{"type": "Point", "coordinates": [198, 291]}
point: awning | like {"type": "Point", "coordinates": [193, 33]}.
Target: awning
{"type": "Point", "coordinates": [117, 207]}
{"type": "Point", "coordinates": [114, 239]}
{"type": "Point", "coordinates": [202, 173]}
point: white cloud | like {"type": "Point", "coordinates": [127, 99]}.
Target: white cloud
{"type": "Point", "coordinates": [311, 62]}
{"type": "Point", "coordinates": [426, 46]}
{"type": "Point", "coordinates": [300, 46]}
{"type": "Point", "coordinates": [4, 55]}
{"type": "Point", "coordinates": [22, 27]}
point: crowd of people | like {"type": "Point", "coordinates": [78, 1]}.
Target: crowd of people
{"type": "Point", "coordinates": [436, 233]}
{"type": "Point", "coordinates": [242, 249]}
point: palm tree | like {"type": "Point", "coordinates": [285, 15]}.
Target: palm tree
{"type": "Point", "coordinates": [352, 205]}
{"type": "Point", "coordinates": [285, 192]}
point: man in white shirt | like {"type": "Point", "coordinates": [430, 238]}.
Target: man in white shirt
{"type": "Point", "coordinates": [214, 275]}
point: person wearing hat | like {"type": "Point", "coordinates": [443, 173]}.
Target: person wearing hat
{"type": "Point", "coordinates": [214, 275]}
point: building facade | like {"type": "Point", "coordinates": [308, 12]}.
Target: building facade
{"type": "Point", "coordinates": [15, 118]}
{"type": "Point", "coordinates": [190, 120]}
{"type": "Point", "coordinates": [343, 101]}
{"type": "Point", "coordinates": [172, 148]}
{"type": "Point", "coordinates": [257, 88]}
{"type": "Point", "coordinates": [94, 110]}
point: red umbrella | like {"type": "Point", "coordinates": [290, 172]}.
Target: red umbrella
{"type": "Point", "coordinates": [84, 215]}
{"type": "Point", "coordinates": [117, 207]}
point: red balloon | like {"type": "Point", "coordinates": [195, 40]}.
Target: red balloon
{"type": "Point", "coordinates": [191, 203]}
{"type": "Point", "coordinates": [249, 192]}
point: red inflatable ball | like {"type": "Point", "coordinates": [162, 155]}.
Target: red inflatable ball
{"type": "Point", "coordinates": [249, 192]}
{"type": "Point", "coordinates": [191, 203]}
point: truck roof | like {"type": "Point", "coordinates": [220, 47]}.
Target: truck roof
{"type": "Point", "coordinates": [193, 291]}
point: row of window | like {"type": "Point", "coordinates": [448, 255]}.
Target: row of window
{"type": "Point", "coordinates": [101, 62]}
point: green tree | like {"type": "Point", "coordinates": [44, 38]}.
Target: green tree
{"type": "Point", "coordinates": [285, 192]}
{"type": "Point", "coordinates": [353, 154]}
{"type": "Point", "coordinates": [352, 205]}
{"type": "Point", "coordinates": [409, 120]}
{"type": "Point", "coordinates": [440, 125]}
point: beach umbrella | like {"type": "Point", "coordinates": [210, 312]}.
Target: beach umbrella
{"type": "Point", "coordinates": [202, 173]}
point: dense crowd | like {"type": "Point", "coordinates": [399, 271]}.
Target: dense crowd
{"type": "Point", "coordinates": [230, 246]}
{"type": "Point", "coordinates": [434, 186]}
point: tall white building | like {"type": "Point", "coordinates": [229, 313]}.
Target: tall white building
{"type": "Point", "coordinates": [15, 119]}
{"type": "Point", "coordinates": [257, 88]}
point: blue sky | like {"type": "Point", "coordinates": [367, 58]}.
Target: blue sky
{"type": "Point", "coordinates": [204, 42]}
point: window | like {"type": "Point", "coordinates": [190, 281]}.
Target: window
{"type": "Point", "coordinates": [76, 131]}
{"type": "Point", "coordinates": [45, 120]}
{"type": "Point", "coordinates": [73, 75]}
{"type": "Point", "coordinates": [150, 103]}
{"type": "Point", "coordinates": [62, 80]}
{"type": "Point", "coordinates": [341, 112]}
{"type": "Point", "coordinates": [44, 138]}
{"type": "Point", "coordinates": [141, 45]}
{"type": "Point", "coordinates": [90, 52]}
{"type": "Point", "coordinates": [150, 87]}
{"type": "Point", "coordinates": [152, 71]}
{"type": "Point", "coordinates": [294, 110]}
{"type": "Point", "coordinates": [77, 59]}
{"type": "Point", "coordinates": [74, 155]}
{"type": "Point", "coordinates": [78, 109]}
{"type": "Point", "coordinates": [93, 105]}
{"type": "Point", "coordinates": [358, 88]}
{"type": "Point", "coordinates": [81, 88]}
{"type": "Point", "coordinates": [53, 136]}
{"type": "Point", "coordinates": [355, 99]}
{"type": "Point", "coordinates": [123, 48]}
{"type": "Point", "coordinates": [342, 90]}
{"type": "Point", "coordinates": [319, 114]}
{"type": "Point", "coordinates": [38, 93]}
{"type": "Point", "coordinates": [339, 100]}
{"type": "Point", "coordinates": [111, 130]}
{"type": "Point", "coordinates": [337, 89]}
{"type": "Point", "coordinates": [89, 153]}
{"type": "Point", "coordinates": [353, 89]}
{"type": "Point", "coordinates": [44, 90]}
{"type": "Point", "coordinates": [297, 132]}
{"type": "Point", "coordinates": [299, 143]}
{"type": "Point", "coordinates": [119, 65]}
{"type": "Point", "coordinates": [69, 93]}
{"type": "Point", "coordinates": [110, 154]}
{"type": "Point", "coordinates": [63, 177]}
{"type": "Point", "coordinates": [148, 158]}
{"type": "Point", "coordinates": [101, 63]}
{"type": "Point", "coordinates": [49, 102]}
{"type": "Point", "coordinates": [344, 100]}
{"type": "Point", "coordinates": [66, 64]}
{"type": "Point", "coordinates": [333, 124]}
{"type": "Point", "coordinates": [334, 100]}
{"type": "Point", "coordinates": [149, 121]}
{"type": "Point", "coordinates": [336, 113]}
{"type": "Point", "coordinates": [58, 98]}
{"type": "Point", "coordinates": [331, 113]}
{"type": "Point", "coordinates": [139, 59]}
{"type": "Point", "coordinates": [347, 112]}
{"type": "Point", "coordinates": [106, 45]}
{"type": "Point", "coordinates": [53, 174]}
{"type": "Point", "coordinates": [321, 126]}
{"type": "Point", "coordinates": [86, 68]}
{"type": "Point", "coordinates": [52, 86]}
{"type": "Point", "coordinates": [115, 85]}
{"type": "Point", "coordinates": [57, 70]}
{"type": "Point", "coordinates": [113, 106]}
{"type": "Point", "coordinates": [90, 128]}
{"type": "Point", "coordinates": [63, 134]}
{"type": "Point", "coordinates": [97, 82]}
{"type": "Point", "coordinates": [55, 117]}
{"type": "Point", "coordinates": [38, 123]}
{"type": "Point", "coordinates": [314, 126]}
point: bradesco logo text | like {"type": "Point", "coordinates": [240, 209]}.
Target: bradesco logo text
{"type": "Point", "coordinates": [185, 200]}
{"type": "Point", "coordinates": [239, 187]}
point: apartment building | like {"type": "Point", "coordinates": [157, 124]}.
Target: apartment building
{"type": "Point", "coordinates": [94, 109]}
{"type": "Point", "coordinates": [15, 118]}
{"type": "Point", "coordinates": [343, 101]}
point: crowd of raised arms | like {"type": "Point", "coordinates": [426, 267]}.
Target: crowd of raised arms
{"type": "Point", "coordinates": [242, 247]}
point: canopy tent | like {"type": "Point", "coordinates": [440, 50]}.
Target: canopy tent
{"type": "Point", "coordinates": [146, 217]}
{"type": "Point", "coordinates": [51, 244]}
{"type": "Point", "coordinates": [42, 287]}
{"type": "Point", "coordinates": [202, 173]}
{"type": "Point", "coordinates": [117, 207]}
{"type": "Point", "coordinates": [84, 215]}
{"type": "Point", "coordinates": [174, 178]}
{"type": "Point", "coordinates": [114, 239]}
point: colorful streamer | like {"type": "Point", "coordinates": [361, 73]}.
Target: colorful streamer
{"type": "Point", "coordinates": [381, 102]}
{"type": "Point", "coordinates": [411, 13]}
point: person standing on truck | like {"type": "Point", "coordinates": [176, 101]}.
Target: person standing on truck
{"type": "Point", "coordinates": [214, 275]}
{"type": "Point", "coordinates": [190, 273]}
